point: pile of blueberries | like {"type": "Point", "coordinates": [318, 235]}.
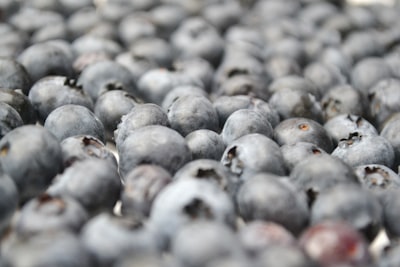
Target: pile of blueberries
{"type": "Point", "coordinates": [199, 133]}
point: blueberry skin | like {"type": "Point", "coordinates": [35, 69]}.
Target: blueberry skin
{"type": "Point", "coordinates": [384, 97]}
{"type": "Point", "coordinates": [390, 205]}
{"type": "Point", "coordinates": [205, 144]}
{"type": "Point", "coordinates": [244, 121]}
{"type": "Point", "coordinates": [153, 144]}
{"type": "Point", "coordinates": [70, 120]}
{"type": "Point", "coordinates": [9, 119]}
{"type": "Point", "coordinates": [190, 113]}
{"type": "Point", "coordinates": [377, 178]}
{"type": "Point", "coordinates": [94, 183]}
{"type": "Point", "coordinates": [369, 72]}
{"type": "Point", "coordinates": [62, 249]}
{"type": "Point", "coordinates": [258, 236]}
{"type": "Point", "coordinates": [281, 66]}
{"type": "Point", "coordinates": [264, 196]}
{"type": "Point", "coordinates": [196, 38]}
{"type": "Point", "coordinates": [297, 152]}
{"type": "Point", "coordinates": [167, 17]}
{"type": "Point", "coordinates": [285, 256]}
{"type": "Point", "coordinates": [198, 68]}
{"type": "Point", "coordinates": [111, 106]}
{"type": "Point", "coordinates": [290, 103]}
{"type": "Point", "coordinates": [351, 204]}
{"type": "Point", "coordinates": [155, 84]}
{"type": "Point", "coordinates": [48, 58]}
{"type": "Point", "coordinates": [102, 76]}
{"type": "Point", "coordinates": [202, 242]}
{"type": "Point", "coordinates": [13, 75]}
{"type": "Point", "coordinates": [343, 99]}
{"type": "Point", "coordinates": [153, 49]}
{"type": "Point", "coordinates": [9, 201]}
{"type": "Point", "coordinates": [253, 153]}
{"type": "Point", "coordinates": [90, 43]}
{"type": "Point", "coordinates": [141, 187]}
{"type": "Point", "coordinates": [341, 126]}
{"type": "Point", "coordinates": [20, 103]}
{"type": "Point", "coordinates": [210, 170]}
{"type": "Point", "coordinates": [139, 116]}
{"type": "Point", "coordinates": [135, 26]}
{"type": "Point", "coordinates": [320, 172]}
{"type": "Point", "coordinates": [226, 105]}
{"type": "Point", "coordinates": [31, 156]}
{"type": "Point", "coordinates": [291, 131]}
{"type": "Point", "coordinates": [52, 92]}
{"type": "Point", "coordinates": [81, 147]}
{"type": "Point", "coordinates": [126, 235]}
{"type": "Point", "coordinates": [360, 149]}
{"type": "Point", "coordinates": [296, 83]}
{"type": "Point", "coordinates": [179, 91]}
{"type": "Point", "coordinates": [46, 213]}
{"type": "Point", "coordinates": [390, 258]}
{"type": "Point", "coordinates": [185, 201]}
{"type": "Point", "coordinates": [324, 76]}
{"type": "Point", "coordinates": [360, 45]}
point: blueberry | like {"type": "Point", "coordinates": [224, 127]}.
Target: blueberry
{"type": "Point", "coordinates": [126, 234]}
{"type": "Point", "coordinates": [210, 170]}
{"type": "Point", "coordinates": [50, 249]}
{"type": "Point", "coordinates": [106, 75]}
{"type": "Point", "coordinates": [264, 196]}
{"type": "Point", "coordinates": [334, 243]}
{"type": "Point", "coordinates": [289, 103]}
{"type": "Point", "coordinates": [52, 92]}
{"type": "Point", "coordinates": [321, 172]}
{"type": "Point", "coordinates": [297, 152]}
{"type": "Point", "coordinates": [336, 57]}
{"type": "Point", "coordinates": [196, 38]}
{"type": "Point", "coordinates": [47, 58]}
{"type": "Point", "coordinates": [258, 236]}
{"type": "Point", "coordinates": [135, 26]}
{"type": "Point", "coordinates": [189, 113]}
{"type": "Point", "coordinates": [383, 97]}
{"type": "Point", "coordinates": [205, 144]}
{"type": "Point", "coordinates": [167, 18]}
{"type": "Point", "coordinates": [89, 44]}
{"type": "Point", "coordinates": [377, 178]}
{"type": "Point", "coordinates": [343, 99]}
{"type": "Point", "coordinates": [351, 204]}
{"type": "Point", "coordinates": [324, 76]}
{"type": "Point", "coordinates": [50, 214]}
{"type": "Point", "coordinates": [223, 15]}
{"type": "Point", "coordinates": [180, 91]}
{"type": "Point", "coordinates": [253, 153]}
{"type": "Point", "coordinates": [50, 32]}
{"type": "Point", "coordinates": [360, 149]}
{"type": "Point", "coordinates": [139, 116]}
{"type": "Point", "coordinates": [82, 20]}
{"type": "Point", "coordinates": [153, 144]}
{"type": "Point", "coordinates": [198, 68]}
{"type": "Point", "coordinates": [291, 131]}
{"type": "Point", "coordinates": [390, 258]}
{"type": "Point", "coordinates": [111, 106]}
{"type": "Point", "coordinates": [141, 187]}
{"type": "Point", "coordinates": [185, 201]}
{"type": "Point", "coordinates": [153, 49]}
{"type": "Point", "coordinates": [31, 156]}
{"type": "Point", "coordinates": [281, 66]}
{"type": "Point", "coordinates": [155, 84]}
{"type": "Point", "coordinates": [200, 243]}
{"type": "Point", "coordinates": [86, 59]}
{"type": "Point", "coordinates": [9, 119]}
{"type": "Point", "coordinates": [245, 121]}
{"type": "Point", "coordinates": [341, 126]}
{"type": "Point", "coordinates": [226, 105]}
{"type": "Point", "coordinates": [368, 72]}
{"type": "Point", "coordinates": [94, 183]}
{"type": "Point", "coordinates": [13, 75]}
{"type": "Point", "coordinates": [70, 120]}
{"type": "Point", "coordinates": [361, 44]}
{"type": "Point", "coordinates": [135, 64]}
{"type": "Point", "coordinates": [81, 147]}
